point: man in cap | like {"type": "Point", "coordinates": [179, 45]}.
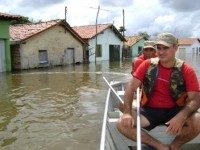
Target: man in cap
{"type": "Point", "coordinates": [170, 97]}
{"type": "Point", "coordinates": [149, 51]}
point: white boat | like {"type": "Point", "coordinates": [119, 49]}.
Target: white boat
{"type": "Point", "coordinates": [112, 139]}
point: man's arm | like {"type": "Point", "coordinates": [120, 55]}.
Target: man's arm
{"type": "Point", "coordinates": [177, 122]}
{"type": "Point", "coordinates": [129, 94]}
{"type": "Point", "coordinates": [192, 105]}
{"type": "Point", "coordinates": [192, 85]}
{"type": "Point", "coordinates": [137, 63]}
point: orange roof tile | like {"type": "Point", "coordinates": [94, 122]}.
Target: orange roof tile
{"type": "Point", "coordinates": [89, 31]}
{"type": "Point", "coordinates": [21, 32]}
{"type": "Point", "coordinates": [187, 41]}
{"type": "Point", "coordinates": [131, 40]}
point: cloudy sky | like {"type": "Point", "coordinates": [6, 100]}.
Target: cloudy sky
{"type": "Point", "coordinates": [180, 17]}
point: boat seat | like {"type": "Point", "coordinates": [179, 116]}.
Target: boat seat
{"type": "Point", "coordinates": [158, 132]}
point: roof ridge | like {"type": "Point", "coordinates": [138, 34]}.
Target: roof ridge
{"type": "Point", "coordinates": [9, 15]}
{"type": "Point", "coordinates": [93, 25]}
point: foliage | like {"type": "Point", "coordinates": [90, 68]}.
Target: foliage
{"type": "Point", "coordinates": [145, 35]}
{"type": "Point", "coordinates": [122, 29]}
{"type": "Point", "coordinates": [22, 20]}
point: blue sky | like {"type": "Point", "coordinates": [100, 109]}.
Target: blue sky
{"type": "Point", "coordinates": [181, 17]}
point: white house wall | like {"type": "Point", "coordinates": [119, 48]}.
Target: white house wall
{"type": "Point", "coordinates": [196, 47]}
{"type": "Point", "coordinates": [189, 48]}
{"type": "Point", "coordinates": [55, 40]}
{"type": "Point", "coordinates": [105, 39]}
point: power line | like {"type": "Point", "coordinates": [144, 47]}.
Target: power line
{"type": "Point", "coordinates": [99, 9]}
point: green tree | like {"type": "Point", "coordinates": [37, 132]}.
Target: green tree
{"type": "Point", "coordinates": [144, 34]}
{"type": "Point", "coordinates": [122, 29]}
{"type": "Point", "coordinates": [22, 20]}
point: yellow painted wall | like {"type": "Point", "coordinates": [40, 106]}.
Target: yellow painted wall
{"type": "Point", "coordinates": [55, 41]}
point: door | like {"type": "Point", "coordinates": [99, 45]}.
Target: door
{"type": "Point", "coordinates": [114, 52]}
{"type": "Point", "coordinates": [69, 55]}
{"type": "Point", "coordinates": [2, 56]}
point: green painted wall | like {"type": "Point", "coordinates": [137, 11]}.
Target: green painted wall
{"type": "Point", "coordinates": [4, 35]}
{"type": "Point", "coordinates": [4, 29]}
{"type": "Point", "coordinates": [135, 48]}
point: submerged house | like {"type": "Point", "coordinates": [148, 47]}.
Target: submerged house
{"type": "Point", "coordinates": [104, 40]}
{"type": "Point", "coordinates": [5, 58]}
{"type": "Point", "coordinates": [189, 45]}
{"type": "Point", "coordinates": [45, 44]}
{"type": "Point", "coordinates": [134, 45]}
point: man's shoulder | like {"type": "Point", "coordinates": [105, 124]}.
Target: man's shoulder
{"type": "Point", "coordinates": [187, 67]}
{"type": "Point", "coordinates": [145, 64]}
{"type": "Point", "coordinates": [140, 58]}
{"type": "Point", "coordinates": [156, 59]}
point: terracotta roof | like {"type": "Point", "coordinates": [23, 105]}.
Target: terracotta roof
{"type": "Point", "coordinates": [187, 41]}
{"type": "Point", "coordinates": [4, 16]}
{"type": "Point", "coordinates": [89, 31]}
{"type": "Point", "coordinates": [131, 40]}
{"type": "Point", "coordinates": [21, 32]}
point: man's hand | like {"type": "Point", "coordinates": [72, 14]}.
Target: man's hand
{"type": "Point", "coordinates": [127, 120]}
{"type": "Point", "coordinates": [176, 124]}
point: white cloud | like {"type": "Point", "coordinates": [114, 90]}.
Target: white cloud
{"type": "Point", "coordinates": [180, 16]}
{"type": "Point", "coordinates": [166, 19]}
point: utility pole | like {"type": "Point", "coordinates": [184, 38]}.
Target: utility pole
{"type": "Point", "coordinates": [123, 22]}
{"type": "Point", "coordinates": [96, 27]}
{"type": "Point", "coordinates": [123, 47]}
{"type": "Point", "coordinates": [96, 34]}
{"type": "Point", "coordinates": [65, 13]}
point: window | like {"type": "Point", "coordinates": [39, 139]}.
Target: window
{"type": "Point", "coordinates": [43, 58]}
{"type": "Point", "coordinates": [98, 50]}
{"type": "Point", "coordinates": [182, 50]}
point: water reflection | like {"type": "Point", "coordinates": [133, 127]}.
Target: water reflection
{"type": "Point", "coordinates": [59, 108]}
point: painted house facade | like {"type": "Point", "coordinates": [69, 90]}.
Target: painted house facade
{"type": "Point", "coordinates": [189, 45]}
{"type": "Point", "coordinates": [134, 45]}
{"type": "Point", "coordinates": [104, 40]}
{"type": "Point", "coordinates": [5, 58]}
{"type": "Point", "coordinates": [45, 44]}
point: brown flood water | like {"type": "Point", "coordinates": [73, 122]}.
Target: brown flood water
{"type": "Point", "coordinates": [59, 108]}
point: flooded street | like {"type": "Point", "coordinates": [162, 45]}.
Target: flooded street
{"type": "Point", "coordinates": [59, 108]}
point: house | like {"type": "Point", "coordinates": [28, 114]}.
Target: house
{"type": "Point", "coordinates": [189, 45]}
{"type": "Point", "coordinates": [134, 45]}
{"type": "Point", "coordinates": [5, 58]}
{"type": "Point", "coordinates": [104, 40]}
{"type": "Point", "coordinates": [45, 44]}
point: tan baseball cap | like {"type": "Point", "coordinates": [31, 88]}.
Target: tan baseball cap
{"type": "Point", "coordinates": [166, 39]}
{"type": "Point", "coordinates": [149, 44]}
